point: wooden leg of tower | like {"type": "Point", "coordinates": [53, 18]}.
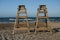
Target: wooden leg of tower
{"type": "Point", "coordinates": [35, 30]}
{"type": "Point", "coordinates": [13, 30]}
{"type": "Point", "coordinates": [16, 23]}
{"type": "Point", "coordinates": [36, 27]}
{"type": "Point", "coordinates": [28, 27]}
{"type": "Point", "coordinates": [49, 27]}
{"type": "Point", "coordinates": [28, 24]}
{"type": "Point", "coordinates": [36, 23]}
{"type": "Point", "coordinates": [28, 30]}
{"type": "Point", "coordinates": [14, 27]}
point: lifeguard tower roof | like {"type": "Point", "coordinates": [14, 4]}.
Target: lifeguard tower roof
{"type": "Point", "coordinates": [21, 6]}
{"type": "Point", "coordinates": [42, 6]}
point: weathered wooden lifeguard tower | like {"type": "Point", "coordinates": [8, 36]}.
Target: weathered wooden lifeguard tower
{"type": "Point", "coordinates": [19, 24]}
{"type": "Point", "coordinates": [41, 20]}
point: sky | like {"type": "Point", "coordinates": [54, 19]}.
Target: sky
{"type": "Point", "coordinates": [8, 8]}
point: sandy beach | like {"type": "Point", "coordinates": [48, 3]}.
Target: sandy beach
{"type": "Point", "coordinates": [6, 33]}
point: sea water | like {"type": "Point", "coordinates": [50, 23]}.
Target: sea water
{"type": "Point", "coordinates": [30, 19]}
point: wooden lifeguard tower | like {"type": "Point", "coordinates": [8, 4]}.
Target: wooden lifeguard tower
{"type": "Point", "coordinates": [21, 22]}
{"type": "Point", "coordinates": [41, 20]}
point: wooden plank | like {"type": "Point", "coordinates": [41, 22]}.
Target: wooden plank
{"type": "Point", "coordinates": [42, 17]}
{"type": "Point", "coordinates": [42, 28]}
{"type": "Point", "coordinates": [22, 16]}
{"type": "Point", "coordinates": [22, 28]}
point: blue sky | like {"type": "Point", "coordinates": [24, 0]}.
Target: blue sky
{"type": "Point", "coordinates": [8, 8]}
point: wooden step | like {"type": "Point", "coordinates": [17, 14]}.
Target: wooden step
{"type": "Point", "coordinates": [41, 28]}
{"type": "Point", "coordinates": [22, 22]}
{"type": "Point", "coordinates": [21, 12]}
{"type": "Point", "coordinates": [22, 16]}
{"type": "Point", "coordinates": [22, 28]}
{"type": "Point", "coordinates": [42, 17]}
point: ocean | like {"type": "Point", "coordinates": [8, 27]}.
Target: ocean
{"type": "Point", "coordinates": [30, 19]}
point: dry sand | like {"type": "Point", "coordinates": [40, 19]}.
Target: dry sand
{"type": "Point", "coordinates": [54, 24]}
{"type": "Point", "coordinates": [6, 34]}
